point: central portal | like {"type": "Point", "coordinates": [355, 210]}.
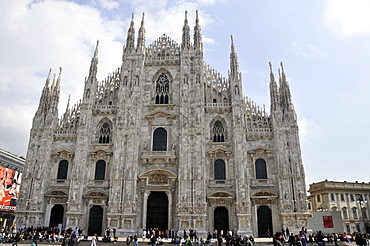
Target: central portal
{"type": "Point", "coordinates": [221, 220]}
{"type": "Point", "coordinates": [157, 212]}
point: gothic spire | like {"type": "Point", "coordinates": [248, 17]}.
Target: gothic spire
{"type": "Point", "coordinates": [94, 62]}
{"type": "Point", "coordinates": [186, 33]}
{"type": "Point", "coordinates": [45, 91]}
{"type": "Point", "coordinates": [274, 96]}
{"type": "Point", "coordinates": [141, 36]}
{"type": "Point", "coordinates": [130, 41]}
{"type": "Point", "coordinates": [197, 35]}
{"type": "Point", "coordinates": [285, 96]}
{"type": "Point", "coordinates": [234, 64]}
{"type": "Point", "coordinates": [56, 92]}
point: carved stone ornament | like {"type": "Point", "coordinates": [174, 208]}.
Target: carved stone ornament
{"type": "Point", "coordinates": [264, 201]}
{"type": "Point", "coordinates": [158, 179]}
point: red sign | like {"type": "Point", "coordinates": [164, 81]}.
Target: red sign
{"type": "Point", "coordinates": [328, 221]}
{"type": "Point", "coordinates": [10, 181]}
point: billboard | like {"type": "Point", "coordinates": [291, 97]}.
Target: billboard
{"type": "Point", "coordinates": [10, 182]}
{"type": "Point", "coordinates": [328, 221]}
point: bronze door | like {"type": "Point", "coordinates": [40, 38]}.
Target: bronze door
{"type": "Point", "coordinates": [95, 220]}
{"type": "Point", "coordinates": [56, 215]}
{"type": "Point", "coordinates": [264, 220]}
{"type": "Point", "coordinates": [157, 211]}
{"type": "Point", "coordinates": [221, 220]}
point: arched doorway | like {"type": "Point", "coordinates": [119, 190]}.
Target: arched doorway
{"type": "Point", "coordinates": [95, 220]}
{"type": "Point", "coordinates": [157, 211]}
{"type": "Point", "coordinates": [264, 220]}
{"type": "Point", "coordinates": [56, 215]}
{"type": "Point", "coordinates": [221, 219]}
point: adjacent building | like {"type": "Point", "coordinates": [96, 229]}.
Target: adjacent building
{"type": "Point", "coordinates": [350, 198]}
{"type": "Point", "coordinates": [165, 142]}
{"type": "Point", "coordinates": [11, 167]}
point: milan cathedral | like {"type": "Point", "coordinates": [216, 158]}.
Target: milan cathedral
{"type": "Point", "coordinates": [167, 142]}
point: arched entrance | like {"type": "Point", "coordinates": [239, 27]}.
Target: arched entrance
{"type": "Point", "coordinates": [95, 220]}
{"type": "Point", "coordinates": [221, 219]}
{"type": "Point", "coordinates": [56, 215]}
{"type": "Point", "coordinates": [157, 211]}
{"type": "Point", "coordinates": [264, 220]}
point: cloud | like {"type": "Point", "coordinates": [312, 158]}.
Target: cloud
{"type": "Point", "coordinates": [108, 4]}
{"type": "Point", "coordinates": [309, 129]}
{"type": "Point", "coordinates": [37, 35]}
{"type": "Point", "coordinates": [349, 18]}
{"type": "Point", "coordinates": [308, 51]}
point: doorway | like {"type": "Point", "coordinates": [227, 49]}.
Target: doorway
{"type": "Point", "coordinates": [264, 220]}
{"type": "Point", "coordinates": [157, 211]}
{"type": "Point", "coordinates": [95, 220]}
{"type": "Point", "coordinates": [56, 215]}
{"type": "Point", "coordinates": [221, 219]}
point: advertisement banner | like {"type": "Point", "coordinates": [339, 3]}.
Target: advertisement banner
{"type": "Point", "coordinates": [10, 182]}
{"type": "Point", "coordinates": [328, 221]}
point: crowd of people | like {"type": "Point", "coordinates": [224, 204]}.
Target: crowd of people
{"type": "Point", "coordinates": [71, 236]}
{"type": "Point", "coordinates": [41, 234]}
{"type": "Point", "coordinates": [319, 238]}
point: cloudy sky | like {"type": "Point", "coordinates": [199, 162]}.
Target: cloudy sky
{"type": "Point", "coordinates": [325, 47]}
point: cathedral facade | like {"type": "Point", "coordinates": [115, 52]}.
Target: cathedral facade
{"type": "Point", "coordinates": [165, 142]}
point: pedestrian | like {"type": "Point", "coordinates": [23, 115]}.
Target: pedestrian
{"type": "Point", "coordinates": [278, 239]}
{"type": "Point", "coordinates": [17, 237]}
{"type": "Point", "coordinates": [209, 239]}
{"type": "Point", "coordinates": [74, 240]}
{"type": "Point", "coordinates": [93, 240]}
{"type": "Point", "coordinates": [268, 233]}
{"type": "Point", "coordinates": [219, 240]}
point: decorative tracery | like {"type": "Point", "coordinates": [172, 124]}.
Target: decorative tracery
{"type": "Point", "coordinates": [218, 132]}
{"type": "Point", "coordinates": [105, 133]}
{"type": "Point", "coordinates": [162, 89]}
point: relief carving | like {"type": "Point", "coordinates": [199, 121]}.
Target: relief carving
{"type": "Point", "coordinates": [158, 179]}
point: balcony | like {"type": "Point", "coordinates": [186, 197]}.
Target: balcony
{"type": "Point", "coordinates": [218, 107]}
{"type": "Point", "coordinates": [226, 183]}
{"type": "Point", "coordinates": [166, 157]}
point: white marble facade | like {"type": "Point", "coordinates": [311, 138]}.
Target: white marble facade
{"type": "Point", "coordinates": [165, 141]}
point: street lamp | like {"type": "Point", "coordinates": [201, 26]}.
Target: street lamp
{"type": "Point", "coordinates": [360, 200]}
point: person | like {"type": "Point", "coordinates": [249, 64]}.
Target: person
{"type": "Point", "coordinates": [320, 238]}
{"type": "Point", "coordinates": [153, 240]}
{"type": "Point", "coordinates": [128, 240]}
{"type": "Point", "coordinates": [209, 239]}
{"type": "Point", "coordinates": [17, 237]}
{"type": "Point", "coordinates": [219, 240]}
{"type": "Point", "coordinates": [268, 233]}
{"type": "Point", "coordinates": [335, 239]}
{"type": "Point", "coordinates": [291, 240]}
{"type": "Point", "coordinates": [74, 240]}
{"type": "Point", "coordinates": [248, 242]}
{"type": "Point", "coordinates": [298, 240]}
{"type": "Point", "coordinates": [187, 241]}
{"type": "Point", "coordinates": [278, 239]}
{"type": "Point", "coordinates": [136, 242]}
{"type": "Point", "coordinates": [35, 238]}
{"type": "Point", "coordinates": [93, 240]}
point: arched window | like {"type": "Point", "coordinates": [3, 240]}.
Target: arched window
{"type": "Point", "coordinates": [160, 139]}
{"type": "Point", "coordinates": [354, 212]}
{"type": "Point", "coordinates": [62, 169]}
{"type": "Point", "coordinates": [220, 171]}
{"type": "Point", "coordinates": [218, 132]}
{"type": "Point", "coordinates": [344, 213]}
{"type": "Point", "coordinates": [105, 133]}
{"type": "Point", "coordinates": [100, 170]}
{"type": "Point", "coordinates": [364, 213]}
{"type": "Point", "coordinates": [261, 172]}
{"type": "Point", "coordinates": [162, 90]}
